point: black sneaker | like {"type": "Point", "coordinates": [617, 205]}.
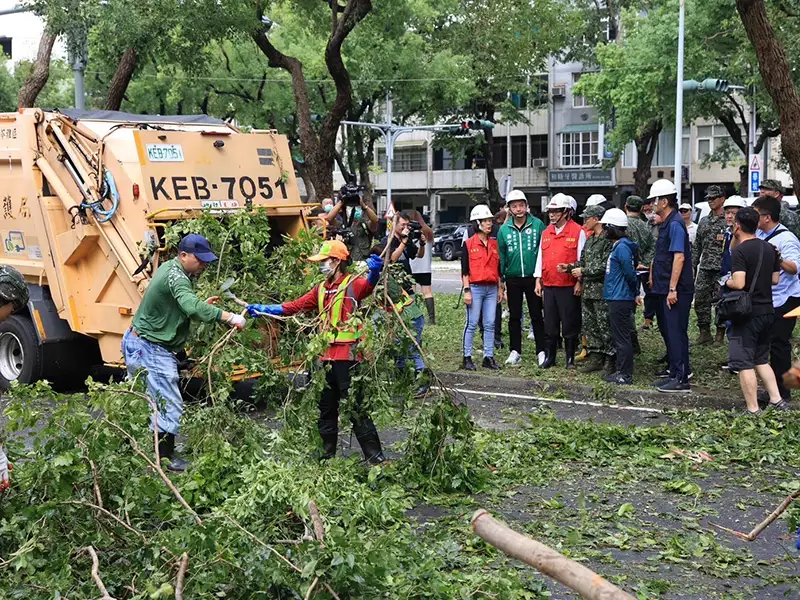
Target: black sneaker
{"type": "Point", "coordinates": [619, 379]}
{"type": "Point", "coordinates": [673, 386]}
{"type": "Point", "coordinates": [468, 365]}
{"type": "Point", "coordinates": [490, 363]}
{"type": "Point", "coordinates": [663, 374]}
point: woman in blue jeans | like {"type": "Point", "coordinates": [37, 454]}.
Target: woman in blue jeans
{"type": "Point", "coordinates": [480, 275]}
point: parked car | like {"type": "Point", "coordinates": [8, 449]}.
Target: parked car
{"type": "Point", "coordinates": [447, 241]}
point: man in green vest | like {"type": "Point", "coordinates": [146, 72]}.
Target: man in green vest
{"type": "Point", "coordinates": [518, 243]}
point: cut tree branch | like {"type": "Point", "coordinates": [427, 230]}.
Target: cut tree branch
{"type": "Point", "coordinates": [566, 571]}
{"type": "Point", "coordinates": [749, 537]}
{"type": "Point", "coordinates": [96, 574]}
{"type": "Point", "coordinates": [181, 576]}
{"type": "Point", "coordinates": [109, 514]}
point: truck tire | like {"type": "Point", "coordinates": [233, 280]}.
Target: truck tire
{"type": "Point", "coordinates": [20, 352]}
{"type": "Point", "coordinates": [448, 252]}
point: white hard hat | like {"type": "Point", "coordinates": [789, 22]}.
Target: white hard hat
{"type": "Point", "coordinates": [480, 212]}
{"type": "Point", "coordinates": [595, 199]}
{"type": "Point", "coordinates": [514, 196]}
{"type": "Point", "coordinates": [734, 202]}
{"type": "Point", "coordinates": [615, 216]}
{"type": "Point", "coordinates": [661, 188]}
{"type": "Point", "coordinates": [685, 206]}
{"type": "Point", "coordinates": [559, 202]}
{"type": "Point", "coordinates": [573, 204]}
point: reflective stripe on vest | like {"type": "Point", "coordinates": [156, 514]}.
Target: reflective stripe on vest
{"type": "Point", "coordinates": [406, 301]}
{"type": "Point", "coordinates": [343, 290]}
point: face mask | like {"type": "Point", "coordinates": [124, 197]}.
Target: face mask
{"type": "Point", "coordinates": [326, 268]}
{"type": "Point", "coordinates": [328, 208]}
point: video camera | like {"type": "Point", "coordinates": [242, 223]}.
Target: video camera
{"type": "Point", "coordinates": [350, 194]}
{"type": "Point", "coordinates": [414, 231]}
{"type": "Point", "coordinates": [340, 233]}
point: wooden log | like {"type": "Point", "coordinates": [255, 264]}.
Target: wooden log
{"type": "Point", "coordinates": [567, 572]}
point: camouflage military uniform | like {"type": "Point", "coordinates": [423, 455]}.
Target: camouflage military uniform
{"type": "Point", "coordinates": [789, 219]}
{"type": "Point", "coordinates": [596, 324]}
{"type": "Point", "coordinates": [641, 233]}
{"type": "Point", "coordinates": [707, 258]}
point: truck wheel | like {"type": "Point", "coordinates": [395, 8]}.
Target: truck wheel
{"type": "Point", "coordinates": [448, 252]}
{"type": "Point", "coordinates": [20, 353]}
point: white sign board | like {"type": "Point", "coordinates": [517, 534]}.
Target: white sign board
{"type": "Point", "coordinates": [506, 185]}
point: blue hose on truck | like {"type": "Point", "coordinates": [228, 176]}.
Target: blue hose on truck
{"type": "Point", "coordinates": [101, 214]}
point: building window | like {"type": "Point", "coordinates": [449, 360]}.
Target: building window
{"type": "Point", "coordinates": [539, 146]}
{"type": "Point", "coordinates": [665, 151]}
{"type": "Point", "coordinates": [406, 159]}
{"type": "Point", "coordinates": [714, 138]}
{"type": "Point", "coordinates": [578, 101]}
{"type": "Point", "coordinates": [519, 151]}
{"type": "Point", "coordinates": [499, 153]}
{"type": "Point", "coordinates": [630, 156]}
{"type": "Point", "coordinates": [579, 149]}
{"type": "Point", "coordinates": [5, 46]}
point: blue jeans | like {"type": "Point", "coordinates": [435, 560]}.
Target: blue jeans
{"type": "Point", "coordinates": [413, 353]}
{"type": "Point", "coordinates": [161, 368]}
{"type": "Point", "coordinates": [484, 303]}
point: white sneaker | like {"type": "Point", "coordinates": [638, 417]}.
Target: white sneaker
{"type": "Point", "coordinates": [531, 336]}
{"type": "Point", "coordinates": [541, 357]}
{"type": "Point", "coordinates": [514, 359]}
{"type": "Point", "coordinates": [506, 313]}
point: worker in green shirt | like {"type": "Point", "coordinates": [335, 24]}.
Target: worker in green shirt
{"type": "Point", "coordinates": [160, 329]}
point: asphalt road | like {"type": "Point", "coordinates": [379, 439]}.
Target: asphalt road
{"type": "Point", "coordinates": [446, 282]}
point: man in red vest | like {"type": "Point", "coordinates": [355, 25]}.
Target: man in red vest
{"type": "Point", "coordinates": [562, 243]}
{"type": "Point", "coordinates": [337, 299]}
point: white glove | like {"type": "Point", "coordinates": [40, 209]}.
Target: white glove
{"type": "Point", "coordinates": [237, 321]}
{"type": "Point", "coordinates": [4, 483]}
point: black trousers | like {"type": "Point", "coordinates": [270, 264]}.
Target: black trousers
{"type": "Point", "coordinates": [780, 346]}
{"type": "Point", "coordinates": [562, 312]}
{"type": "Point", "coordinates": [620, 313]}
{"type": "Point", "coordinates": [676, 333]}
{"type": "Point", "coordinates": [338, 375]}
{"type": "Point", "coordinates": [519, 288]}
{"type": "Point", "coordinates": [650, 302]}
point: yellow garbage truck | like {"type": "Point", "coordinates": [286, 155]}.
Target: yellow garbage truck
{"type": "Point", "coordinates": [86, 197]}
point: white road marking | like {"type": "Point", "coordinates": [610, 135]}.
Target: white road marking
{"type": "Point", "coordinates": [559, 401]}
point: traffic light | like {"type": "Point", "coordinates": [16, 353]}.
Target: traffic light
{"type": "Point", "coordinates": [707, 85]}
{"type": "Point", "coordinates": [477, 125]}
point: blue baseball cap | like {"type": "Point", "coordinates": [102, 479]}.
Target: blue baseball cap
{"type": "Point", "coordinates": [198, 245]}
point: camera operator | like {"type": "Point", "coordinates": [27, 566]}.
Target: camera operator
{"type": "Point", "coordinates": [356, 215]}
{"type": "Point", "coordinates": [405, 245]}
{"type": "Point", "coordinates": [422, 267]}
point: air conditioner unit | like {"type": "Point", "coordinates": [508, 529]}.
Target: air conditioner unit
{"type": "Point", "coordinates": [559, 91]}
{"type": "Point", "coordinates": [540, 163]}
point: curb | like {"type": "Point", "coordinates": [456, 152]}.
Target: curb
{"type": "Point", "coordinates": [623, 395]}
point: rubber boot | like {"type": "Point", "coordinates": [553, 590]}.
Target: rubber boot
{"type": "Point", "coordinates": [704, 339]}
{"type": "Point", "coordinates": [329, 432]}
{"type": "Point", "coordinates": [592, 364]}
{"type": "Point", "coordinates": [166, 449]}
{"type": "Point", "coordinates": [550, 356]}
{"type": "Point", "coordinates": [609, 364]}
{"type": "Point", "coordinates": [431, 306]}
{"type": "Point", "coordinates": [720, 337]}
{"type": "Point", "coordinates": [370, 443]}
{"type": "Point", "coordinates": [468, 365]}
{"type": "Point", "coordinates": [569, 350]}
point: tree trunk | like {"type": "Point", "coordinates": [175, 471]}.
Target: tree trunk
{"type": "Point", "coordinates": [776, 74]}
{"type": "Point", "coordinates": [311, 194]}
{"type": "Point", "coordinates": [122, 77]}
{"type": "Point", "coordinates": [39, 73]}
{"type": "Point", "coordinates": [645, 151]}
{"type": "Point", "coordinates": [492, 188]}
{"type": "Point", "coordinates": [364, 157]}
{"type": "Point", "coordinates": [319, 149]}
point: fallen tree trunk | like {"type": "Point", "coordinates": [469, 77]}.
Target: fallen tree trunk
{"type": "Point", "coordinates": [567, 572]}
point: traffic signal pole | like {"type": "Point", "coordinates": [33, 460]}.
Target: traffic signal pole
{"type": "Point", "coordinates": [679, 105]}
{"type": "Point", "coordinates": [390, 134]}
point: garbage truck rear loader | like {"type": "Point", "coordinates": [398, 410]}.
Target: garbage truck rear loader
{"type": "Point", "coordinates": [86, 197]}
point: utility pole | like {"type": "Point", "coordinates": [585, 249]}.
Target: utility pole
{"type": "Point", "coordinates": [679, 104]}
{"type": "Point", "coordinates": [753, 162]}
